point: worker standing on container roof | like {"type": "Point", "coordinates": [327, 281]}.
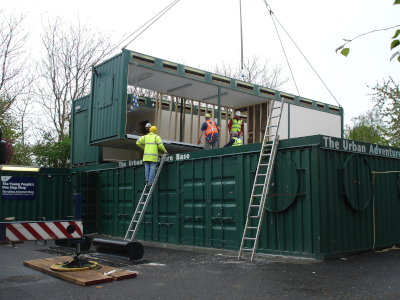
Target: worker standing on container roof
{"type": "Point", "coordinates": [211, 136]}
{"type": "Point", "coordinates": [236, 125]}
{"type": "Point", "coordinates": [235, 140]}
{"type": "Point", "coordinates": [151, 143]}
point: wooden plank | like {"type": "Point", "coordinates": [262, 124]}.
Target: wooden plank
{"type": "Point", "coordinates": [184, 120]}
{"type": "Point", "coordinates": [156, 111]}
{"type": "Point", "coordinates": [198, 117]}
{"type": "Point", "coordinates": [159, 114]}
{"type": "Point", "coordinates": [176, 117]}
{"type": "Point", "coordinates": [191, 122]}
{"type": "Point", "coordinates": [171, 103]}
{"type": "Point", "coordinates": [84, 278]}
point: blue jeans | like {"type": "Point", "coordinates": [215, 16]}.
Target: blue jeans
{"type": "Point", "coordinates": [150, 171]}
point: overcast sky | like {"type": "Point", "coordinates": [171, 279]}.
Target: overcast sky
{"type": "Point", "coordinates": [203, 33]}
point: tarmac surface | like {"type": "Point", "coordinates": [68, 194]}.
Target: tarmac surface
{"type": "Point", "coordinates": [177, 272]}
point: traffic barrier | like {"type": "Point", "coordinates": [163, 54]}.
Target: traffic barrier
{"type": "Point", "coordinates": [40, 230]}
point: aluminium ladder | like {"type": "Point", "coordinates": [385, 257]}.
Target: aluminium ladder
{"type": "Point", "coordinates": [142, 204]}
{"type": "Point", "coordinates": [262, 181]}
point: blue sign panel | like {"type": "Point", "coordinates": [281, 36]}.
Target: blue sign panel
{"type": "Point", "coordinates": [18, 188]}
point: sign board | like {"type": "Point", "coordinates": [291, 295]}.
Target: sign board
{"type": "Point", "coordinates": [18, 188]}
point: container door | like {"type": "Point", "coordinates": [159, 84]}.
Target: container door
{"type": "Point", "coordinates": [124, 200]}
{"type": "Point", "coordinates": [168, 203]}
{"type": "Point", "coordinates": [85, 183]}
{"type": "Point", "coordinates": [193, 204]}
{"type": "Point", "coordinates": [224, 203]}
{"type": "Point", "coordinates": [108, 101]}
{"type": "Point", "coordinates": [107, 209]}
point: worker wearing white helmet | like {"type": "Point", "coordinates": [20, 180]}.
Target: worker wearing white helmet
{"type": "Point", "coordinates": [236, 124]}
{"type": "Point", "coordinates": [211, 136]}
{"type": "Point", "coordinates": [151, 143]}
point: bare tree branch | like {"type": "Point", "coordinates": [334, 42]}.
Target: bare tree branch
{"type": "Point", "coordinates": [255, 72]}
{"type": "Point", "coordinates": [14, 66]}
{"type": "Point", "coordinates": [70, 52]}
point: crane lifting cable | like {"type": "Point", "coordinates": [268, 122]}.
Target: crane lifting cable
{"type": "Point", "coordinates": [241, 36]}
{"type": "Point", "coordinates": [151, 21]}
{"type": "Point", "coordinates": [274, 17]}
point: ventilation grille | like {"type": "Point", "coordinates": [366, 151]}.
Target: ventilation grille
{"type": "Point", "coordinates": [146, 60]}
{"type": "Point", "coordinates": [288, 98]}
{"type": "Point", "coordinates": [245, 86]}
{"type": "Point", "coordinates": [221, 79]}
{"type": "Point", "coordinates": [334, 109]}
{"type": "Point", "coordinates": [320, 106]}
{"type": "Point", "coordinates": [170, 66]}
{"type": "Point", "coordinates": [195, 73]}
{"type": "Point", "coordinates": [305, 102]}
{"type": "Point", "coordinates": [267, 92]}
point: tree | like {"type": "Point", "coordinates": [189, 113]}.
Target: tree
{"type": "Point", "coordinates": [368, 128]}
{"type": "Point", "coordinates": [387, 101]}
{"type": "Point", "coordinates": [70, 51]}
{"type": "Point", "coordinates": [255, 72]}
{"type": "Point", "coordinates": [9, 128]}
{"type": "Point", "coordinates": [14, 65]}
{"type": "Point", "coordinates": [395, 43]}
{"type": "Point", "coordinates": [52, 154]}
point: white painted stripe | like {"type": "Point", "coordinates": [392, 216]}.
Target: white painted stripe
{"type": "Point", "coordinates": [75, 234]}
{"type": "Point", "coordinates": [22, 230]}
{"type": "Point", "coordinates": [56, 231]}
{"type": "Point", "coordinates": [40, 231]}
{"type": "Point", "coordinates": [10, 235]}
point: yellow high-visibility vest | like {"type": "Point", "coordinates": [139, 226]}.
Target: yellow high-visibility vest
{"type": "Point", "coordinates": [236, 125]}
{"type": "Point", "coordinates": [151, 143]}
{"type": "Point", "coordinates": [238, 142]}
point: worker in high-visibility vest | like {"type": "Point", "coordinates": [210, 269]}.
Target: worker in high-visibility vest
{"type": "Point", "coordinates": [210, 130]}
{"type": "Point", "coordinates": [151, 143]}
{"type": "Point", "coordinates": [236, 125]}
{"type": "Point", "coordinates": [235, 140]}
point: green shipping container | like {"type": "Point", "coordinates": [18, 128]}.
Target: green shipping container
{"type": "Point", "coordinates": [329, 197]}
{"type": "Point", "coordinates": [50, 195]}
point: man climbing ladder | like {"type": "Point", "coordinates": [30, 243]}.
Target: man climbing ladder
{"type": "Point", "coordinates": [151, 143]}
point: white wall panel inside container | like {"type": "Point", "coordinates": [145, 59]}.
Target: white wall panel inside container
{"type": "Point", "coordinates": [306, 121]}
{"type": "Point", "coordinates": [284, 125]}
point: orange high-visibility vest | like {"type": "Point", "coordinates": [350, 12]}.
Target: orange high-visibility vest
{"type": "Point", "coordinates": [211, 127]}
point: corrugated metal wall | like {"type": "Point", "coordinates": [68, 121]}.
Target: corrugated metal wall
{"type": "Point", "coordinates": [359, 211]}
{"type": "Point", "coordinates": [81, 152]}
{"type": "Point", "coordinates": [108, 99]}
{"type": "Point", "coordinates": [323, 203]}
{"type": "Point", "coordinates": [53, 197]}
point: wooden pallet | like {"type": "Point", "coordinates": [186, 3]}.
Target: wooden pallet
{"type": "Point", "coordinates": [85, 278]}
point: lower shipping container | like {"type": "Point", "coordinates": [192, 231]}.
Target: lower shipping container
{"type": "Point", "coordinates": [329, 198]}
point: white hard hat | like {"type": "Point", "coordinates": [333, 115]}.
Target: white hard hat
{"type": "Point", "coordinates": [237, 113]}
{"type": "Point", "coordinates": [148, 125]}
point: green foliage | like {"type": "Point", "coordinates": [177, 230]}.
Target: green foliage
{"type": "Point", "coordinates": [52, 154]}
{"type": "Point", "coordinates": [345, 51]}
{"type": "Point", "coordinates": [387, 100]}
{"type": "Point", "coordinates": [22, 155]}
{"type": "Point", "coordinates": [368, 127]}
{"type": "Point", "coordinates": [394, 44]}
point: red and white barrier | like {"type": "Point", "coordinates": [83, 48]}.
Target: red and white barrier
{"type": "Point", "coordinates": [34, 231]}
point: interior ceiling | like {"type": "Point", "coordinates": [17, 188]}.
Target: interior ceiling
{"type": "Point", "coordinates": [151, 79]}
{"type": "Point", "coordinates": [130, 144]}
